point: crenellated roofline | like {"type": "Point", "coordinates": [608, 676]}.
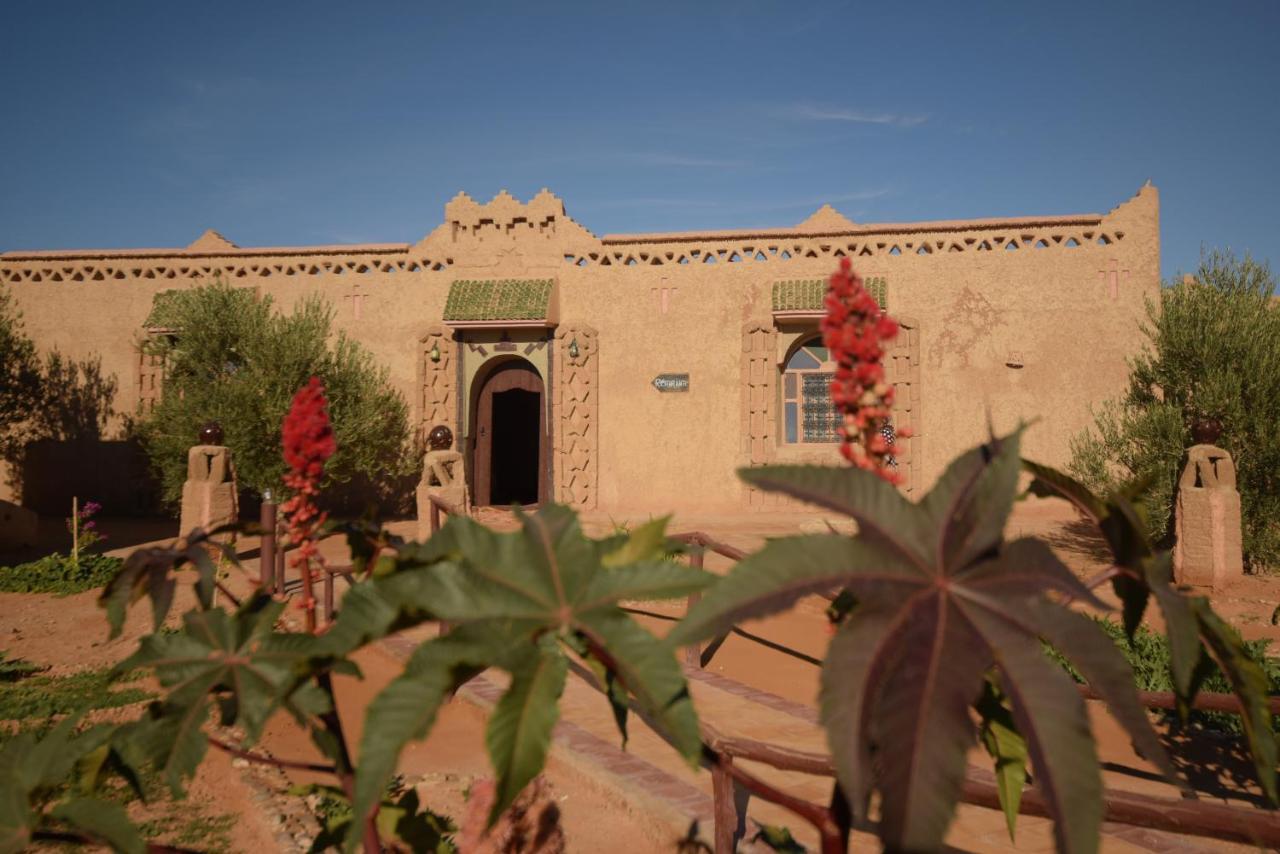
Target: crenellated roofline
{"type": "Point", "coordinates": [508, 218]}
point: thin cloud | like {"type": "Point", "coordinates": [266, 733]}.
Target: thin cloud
{"type": "Point", "coordinates": [840, 114]}
{"type": "Point", "coordinates": [692, 161]}
{"type": "Point", "coordinates": [812, 203]}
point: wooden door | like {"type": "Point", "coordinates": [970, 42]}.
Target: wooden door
{"type": "Point", "coordinates": [509, 450]}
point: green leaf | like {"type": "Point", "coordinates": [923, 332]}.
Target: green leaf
{"type": "Point", "coordinates": [519, 731]}
{"type": "Point", "coordinates": [17, 819]}
{"type": "Point", "coordinates": [846, 699]}
{"type": "Point", "coordinates": [969, 505]}
{"type": "Point", "coordinates": [778, 838]}
{"type": "Point", "coordinates": [1180, 622]}
{"type": "Point", "coordinates": [540, 589]}
{"type": "Point", "coordinates": [149, 572]}
{"type": "Point", "coordinates": [103, 821]}
{"type": "Point", "coordinates": [1094, 654]}
{"type": "Point", "coordinates": [238, 655]}
{"type": "Point", "coordinates": [642, 581]}
{"type": "Point", "coordinates": [1050, 715]}
{"type": "Point", "coordinates": [940, 598]}
{"type": "Point", "coordinates": [647, 668]}
{"type": "Point", "coordinates": [646, 543]}
{"type": "Point", "coordinates": [1251, 686]}
{"type": "Point", "coordinates": [1049, 482]}
{"type": "Point", "coordinates": [770, 580]}
{"type": "Point", "coordinates": [1005, 745]}
{"type": "Point", "coordinates": [929, 676]}
{"type": "Point", "coordinates": [406, 709]}
{"type": "Point", "coordinates": [881, 511]}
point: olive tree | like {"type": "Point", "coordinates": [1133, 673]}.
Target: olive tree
{"type": "Point", "coordinates": [235, 359]}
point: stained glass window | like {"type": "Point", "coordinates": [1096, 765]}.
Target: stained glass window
{"type": "Point", "coordinates": [808, 414]}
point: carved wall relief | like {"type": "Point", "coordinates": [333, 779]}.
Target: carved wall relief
{"type": "Point", "coordinates": [902, 369]}
{"type": "Point", "coordinates": [759, 395]}
{"type": "Point", "coordinates": [437, 368]}
{"type": "Point", "coordinates": [577, 415]}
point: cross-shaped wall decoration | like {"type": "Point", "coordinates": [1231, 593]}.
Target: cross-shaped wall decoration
{"type": "Point", "coordinates": [664, 295]}
{"type": "Point", "coordinates": [357, 298]}
{"type": "Point", "coordinates": [1112, 278]}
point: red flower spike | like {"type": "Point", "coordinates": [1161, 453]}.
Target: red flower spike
{"type": "Point", "coordinates": [856, 330]}
{"type": "Point", "coordinates": [308, 440]}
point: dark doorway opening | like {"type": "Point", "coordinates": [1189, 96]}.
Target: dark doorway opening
{"type": "Point", "coordinates": [517, 417]}
{"type": "Point", "coordinates": [509, 445]}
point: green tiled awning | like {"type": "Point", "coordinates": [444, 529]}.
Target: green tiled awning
{"type": "Point", "coordinates": [800, 295]}
{"type": "Point", "coordinates": [496, 300]}
{"type": "Point", "coordinates": [163, 311]}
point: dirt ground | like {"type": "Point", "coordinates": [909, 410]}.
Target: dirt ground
{"type": "Point", "coordinates": [779, 655]}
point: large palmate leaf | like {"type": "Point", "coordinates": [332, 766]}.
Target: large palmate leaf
{"type": "Point", "coordinates": [149, 572]}
{"type": "Point", "coordinates": [523, 602]}
{"type": "Point", "coordinates": [941, 599]}
{"type": "Point", "coordinates": [234, 660]}
{"type": "Point", "coordinates": [32, 772]}
{"type": "Point", "coordinates": [1194, 631]}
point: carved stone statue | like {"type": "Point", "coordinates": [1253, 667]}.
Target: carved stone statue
{"type": "Point", "coordinates": [1207, 521]}
{"type": "Point", "coordinates": [443, 475]}
{"type": "Point", "coordinates": [209, 495]}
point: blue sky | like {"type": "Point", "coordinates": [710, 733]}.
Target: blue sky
{"type": "Point", "coordinates": [141, 124]}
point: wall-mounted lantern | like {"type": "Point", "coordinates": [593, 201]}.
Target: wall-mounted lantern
{"type": "Point", "coordinates": [435, 351]}
{"type": "Point", "coordinates": [573, 348]}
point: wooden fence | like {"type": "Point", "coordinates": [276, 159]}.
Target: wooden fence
{"type": "Point", "coordinates": [1254, 826]}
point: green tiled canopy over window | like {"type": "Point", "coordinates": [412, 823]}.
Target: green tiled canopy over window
{"type": "Point", "coordinates": [163, 311]}
{"type": "Point", "coordinates": [808, 294]}
{"type": "Point", "coordinates": [498, 299]}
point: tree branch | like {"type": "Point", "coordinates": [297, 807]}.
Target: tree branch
{"type": "Point", "coordinates": [270, 760]}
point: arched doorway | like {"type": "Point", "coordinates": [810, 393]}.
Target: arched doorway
{"type": "Point", "coordinates": [509, 445]}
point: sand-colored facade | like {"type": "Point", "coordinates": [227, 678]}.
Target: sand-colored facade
{"type": "Point", "coordinates": [1006, 319]}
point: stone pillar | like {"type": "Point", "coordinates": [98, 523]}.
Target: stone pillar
{"type": "Point", "coordinates": [209, 496]}
{"type": "Point", "coordinates": [1208, 549]}
{"type": "Point", "coordinates": [442, 476]}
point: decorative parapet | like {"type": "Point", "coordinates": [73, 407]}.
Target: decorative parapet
{"type": "Point", "coordinates": [501, 303]}
{"type": "Point", "coordinates": [228, 265]}
{"type": "Point", "coordinates": [828, 235]}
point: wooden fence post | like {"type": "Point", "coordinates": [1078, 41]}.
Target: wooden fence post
{"type": "Point", "coordinates": [280, 553]}
{"type": "Point", "coordinates": [726, 810]}
{"type": "Point", "coordinates": [693, 653]}
{"type": "Point", "coordinates": [328, 595]}
{"type": "Point", "coordinates": [267, 548]}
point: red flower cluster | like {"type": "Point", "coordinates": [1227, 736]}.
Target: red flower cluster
{"type": "Point", "coordinates": [308, 443]}
{"type": "Point", "coordinates": [855, 330]}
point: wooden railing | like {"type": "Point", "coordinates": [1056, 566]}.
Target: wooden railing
{"type": "Point", "coordinates": [1187, 816]}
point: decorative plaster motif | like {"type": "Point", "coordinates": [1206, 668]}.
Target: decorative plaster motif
{"type": "Point", "coordinates": [759, 392]}
{"type": "Point", "coordinates": [893, 244]}
{"type": "Point", "coordinates": [150, 379]}
{"type": "Point", "coordinates": [577, 413]}
{"type": "Point", "coordinates": [437, 353]}
{"type": "Point", "coordinates": [902, 369]}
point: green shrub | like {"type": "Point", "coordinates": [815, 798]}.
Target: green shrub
{"type": "Point", "coordinates": [1148, 655]}
{"type": "Point", "coordinates": [1213, 351]}
{"type": "Point", "coordinates": [58, 573]}
{"type": "Point", "coordinates": [236, 360]}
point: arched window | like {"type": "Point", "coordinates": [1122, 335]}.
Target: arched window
{"type": "Point", "coordinates": [808, 416]}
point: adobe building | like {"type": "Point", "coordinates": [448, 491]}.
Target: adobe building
{"type": "Point", "coordinates": [638, 371]}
